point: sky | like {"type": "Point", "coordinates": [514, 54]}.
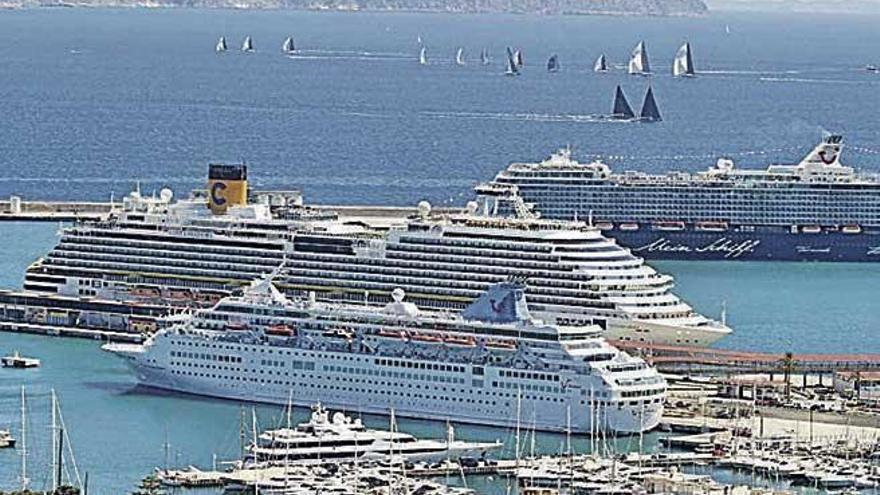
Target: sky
{"type": "Point", "coordinates": [862, 6]}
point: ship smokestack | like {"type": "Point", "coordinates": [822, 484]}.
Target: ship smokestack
{"type": "Point", "coordinates": [227, 186]}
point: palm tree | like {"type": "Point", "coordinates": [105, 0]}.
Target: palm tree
{"type": "Point", "coordinates": [788, 363]}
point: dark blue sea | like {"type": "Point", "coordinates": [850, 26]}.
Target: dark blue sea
{"type": "Point", "coordinates": [94, 101]}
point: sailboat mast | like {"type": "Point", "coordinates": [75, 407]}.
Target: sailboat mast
{"type": "Point", "coordinates": [54, 442]}
{"type": "Point", "coordinates": [24, 478]}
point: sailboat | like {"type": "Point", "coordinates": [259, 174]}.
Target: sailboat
{"type": "Point", "coordinates": [601, 64]}
{"type": "Point", "coordinates": [650, 112]}
{"type": "Point", "coordinates": [459, 56]}
{"type": "Point", "coordinates": [288, 47]}
{"type": "Point", "coordinates": [683, 65]}
{"type": "Point", "coordinates": [221, 45]}
{"type": "Point", "coordinates": [484, 57]}
{"type": "Point", "coordinates": [621, 109]}
{"type": "Point", "coordinates": [423, 56]}
{"type": "Point", "coordinates": [638, 63]}
{"type": "Point", "coordinates": [512, 69]}
{"type": "Point", "coordinates": [518, 58]}
{"type": "Point", "coordinates": [553, 64]}
{"type": "Point", "coordinates": [247, 45]}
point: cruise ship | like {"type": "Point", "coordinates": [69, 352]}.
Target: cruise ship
{"type": "Point", "coordinates": [157, 251]}
{"type": "Point", "coordinates": [492, 363]}
{"type": "Point", "coordinates": [815, 210]}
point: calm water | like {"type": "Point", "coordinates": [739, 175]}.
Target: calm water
{"type": "Point", "coordinates": [98, 99]}
{"type": "Point", "coordinates": [102, 98]}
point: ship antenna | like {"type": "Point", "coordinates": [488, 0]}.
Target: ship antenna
{"type": "Point", "coordinates": [590, 219]}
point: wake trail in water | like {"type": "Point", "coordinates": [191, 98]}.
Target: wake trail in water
{"type": "Point", "coordinates": [524, 117]}
{"type": "Point", "coordinates": [808, 80]}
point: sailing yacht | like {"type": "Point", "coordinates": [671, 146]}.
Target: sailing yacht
{"type": "Point", "coordinates": [459, 56]}
{"type": "Point", "coordinates": [484, 57]}
{"type": "Point", "coordinates": [601, 64]}
{"type": "Point", "coordinates": [288, 47]}
{"type": "Point", "coordinates": [518, 58]}
{"type": "Point", "coordinates": [638, 62]}
{"type": "Point", "coordinates": [247, 45]}
{"type": "Point", "coordinates": [553, 64]}
{"type": "Point", "coordinates": [512, 69]}
{"type": "Point", "coordinates": [621, 110]}
{"type": "Point", "coordinates": [650, 112]}
{"type": "Point", "coordinates": [221, 45]}
{"type": "Point", "coordinates": [423, 56]}
{"type": "Point", "coordinates": [683, 65]}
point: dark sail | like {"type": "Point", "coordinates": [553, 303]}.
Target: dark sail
{"type": "Point", "coordinates": [650, 113]}
{"type": "Point", "coordinates": [553, 64]}
{"type": "Point", "coordinates": [621, 109]}
{"type": "Point", "coordinates": [690, 61]}
{"type": "Point", "coordinates": [512, 70]}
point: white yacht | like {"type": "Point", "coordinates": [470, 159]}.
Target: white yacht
{"type": "Point", "coordinates": [159, 252]}
{"type": "Point", "coordinates": [491, 364]}
{"type": "Point", "coordinates": [339, 438]}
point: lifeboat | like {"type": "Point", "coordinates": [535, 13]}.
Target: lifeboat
{"type": "Point", "coordinates": [432, 339]}
{"type": "Point", "coordinates": [711, 226]}
{"type": "Point", "coordinates": [179, 294]}
{"type": "Point", "coordinates": [392, 334]}
{"type": "Point", "coordinates": [668, 226]}
{"type": "Point", "coordinates": [236, 327]}
{"type": "Point", "coordinates": [462, 341]}
{"type": "Point", "coordinates": [281, 330]}
{"type": "Point", "coordinates": [501, 344]}
{"type": "Point", "coordinates": [628, 226]}
{"type": "Point", "coordinates": [811, 229]}
{"type": "Point", "coordinates": [145, 292]}
{"type": "Point", "coordinates": [851, 229]}
{"type": "Point", "coordinates": [604, 225]}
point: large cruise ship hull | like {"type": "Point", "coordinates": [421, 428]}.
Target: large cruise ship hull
{"type": "Point", "coordinates": [761, 245]}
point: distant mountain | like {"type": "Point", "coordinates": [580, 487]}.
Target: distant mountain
{"type": "Point", "coordinates": [582, 7]}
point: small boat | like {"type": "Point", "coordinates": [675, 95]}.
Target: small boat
{"type": "Point", "coordinates": [650, 112]}
{"type": "Point", "coordinates": [16, 360]}
{"type": "Point", "coordinates": [629, 226]}
{"type": "Point", "coordinates": [392, 334]}
{"type": "Point", "coordinates": [6, 440]}
{"type": "Point", "coordinates": [501, 344]}
{"type": "Point", "coordinates": [851, 229]}
{"type": "Point", "coordinates": [601, 64]}
{"type": "Point", "coordinates": [247, 45]}
{"type": "Point", "coordinates": [459, 56]}
{"type": "Point", "coordinates": [462, 341]}
{"type": "Point", "coordinates": [638, 62]}
{"type": "Point", "coordinates": [484, 56]}
{"type": "Point", "coordinates": [668, 226]}
{"type": "Point", "coordinates": [423, 56]}
{"type": "Point", "coordinates": [621, 108]}
{"type": "Point", "coordinates": [683, 65]}
{"type": "Point", "coordinates": [280, 330]}
{"type": "Point", "coordinates": [711, 226]}
{"type": "Point", "coordinates": [811, 229]}
{"type": "Point", "coordinates": [221, 45]}
{"type": "Point", "coordinates": [236, 327]}
{"type": "Point", "coordinates": [604, 225]}
{"type": "Point", "coordinates": [421, 337]}
{"type": "Point", "coordinates": [872, 68]}
{"type": "Point", "coordinates": [553, 64]}
{"type": "Point", "coordinates": [288, 47]}
{"type": "Point", "coordinates": [512, 68]}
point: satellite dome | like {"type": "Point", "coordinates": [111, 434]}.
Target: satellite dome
{"type": "Point", "coordinates": [424, 208]}
{"type": "Point", "coordinates": [472, 207]}
{"type": "Point", "coordinates": [166, 194]}
{"type": "Point", "coordinates": [398, 295]}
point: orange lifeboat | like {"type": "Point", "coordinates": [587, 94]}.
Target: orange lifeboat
{"type": "Point", "coordinates": [236, 327]}
{"type": "Point", "coordinates": [462, 341]}
{"type": "Point", "coordinates": [431, 339]}
{"type": "Point", "coordinates": [501, 344]}
{"type": "Point", "coordinates": [280, 330]}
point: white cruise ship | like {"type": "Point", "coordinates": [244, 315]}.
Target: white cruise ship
{"type": "Point", "coordinates": [338, 438]}
{"type": "Point", "coordinates": [158, 251]}
{"type": "Point", "coordinates": [491, 364]}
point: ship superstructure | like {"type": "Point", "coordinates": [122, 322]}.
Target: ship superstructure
{"type": "Point", "coordinates": [187, 254]}
{"type": "Point", "coordinates": [817, 209]}
{"type": "Point", "coordinates": [491, 364]}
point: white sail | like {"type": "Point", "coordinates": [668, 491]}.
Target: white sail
{"type": "Point", "coordinates": [423, 56]}
{"type": "Point", "coordinates": [288, 46]}
{"type": "Point", "coordinates": [247, 45]}
{"type": "Point", "coordinates": [484, 57]}
{"type": "Point", "coordinates": [512, 69]}
{"type": "Point", "coordinates": [638, 63]}
{"type": "Point", "coordinates": [518, 58]}
{"type": "Point", "coordinates": [683, 65]}
{"type": "Point", "coordinates": [601, 64]}
{"type": "Point", "coordinates": [459, 57]}
{"type": "Point", "coordinates": [221, 45]}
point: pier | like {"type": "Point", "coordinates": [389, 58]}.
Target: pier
{"type": "Point", "coordinates": [677, 358]}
